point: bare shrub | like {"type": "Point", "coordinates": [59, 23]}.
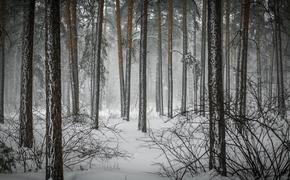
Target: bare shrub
{"type": "Point", "coordinates": [81, 143]}
{"type": "Point", "coordinates": [260, 151]}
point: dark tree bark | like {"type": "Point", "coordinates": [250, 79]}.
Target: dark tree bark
{"type": "Point", "coordinates": [238, 62]}
{"type": "Point", "coordinates": [73, 54]}
{"type": "Point", "coordinates": [99, 29]}
{"type": "Point", "coordinates": [120, 55]}
{"type": "Point", "coordinates": [143, 56]}
{"type": "Point", "coordinates": [215, 88]}
{"type": "Point", "coordinates": [279, 59]}
{"type": "Point", "coordinates": [159, 86]}
{"type": "Point", "coordinates": [244, 63]}
{"type": "Point", "coordinates": [271, 69]}
{"type": "Point", "coordinates": [227, 54]}
{"type": "Point", "coordinates": [2, 57]}
{"type": "Point", "coordinates": [170, 79]}
{"type": "Point", "coordinates": [184, 64]}
{"type": "Point", "coordinates": [25, 115]}
{"type": "Point", "coordinates": [259, 20]}
{"type": "Point", "coordinates": [196, 65]}
{"type": "Point", "coordinates": [93, 65]}
{"type": "Point", "coordinates": [54, 161]}
{"type": "Point", "coordinates": [128, 60]}
{"type": "Point", "coordinates": [203, 59]}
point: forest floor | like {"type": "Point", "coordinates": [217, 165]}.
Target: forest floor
{"type": "Point", "coordinates": [138, 166]}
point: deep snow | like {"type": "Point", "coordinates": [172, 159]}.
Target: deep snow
{"type": "Point", "coordinates": [138, 166]}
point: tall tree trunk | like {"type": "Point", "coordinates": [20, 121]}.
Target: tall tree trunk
{"type": "Point", "coordinates": [73, 51]}
{"type": "Point", "coordinates": [93, 66]}
{"type": "Point", "coordinates": [215, 88]}
{"type": "Point", "coordinates": [99, 29]}
{"type": "Point", "coordinates": [128, 60]}
{"type": "Point", "coordinates": [271, 70]}
{"type": "Point", "coordinates": [68, 97]}
{"type": "Point", "coordinates": [170, 79]}
{"type": "Point", "coordinates": [143, 56]}
{"type": "Point", "coordinates": [259, 66]}
{"type": "Point", "coordinates": [160, 69]}
{"type": "Point", "coordinates": [54, 161]}
{"type": "Point", "coordinates": [203, 59]}
{"type": "Point", "coordinates": [103, 102]}
{"type": "Point", "coordinates": [227, 55]}
{"type": "Point", "coordinates": [159, 78]}
{"type": "Point", "coordinates": [2, 57]}
{"type": "Point", "coordinates": [259, 21]}
{"type": "Point", "coordinates": [244, 63]}
{"type": "Point", "coordinates": [25, 115]}
{"type": "Point", "coordinates": [184, 64]}
{"type": "Point", "coordinates": [238, 62]}
{"type": "Point", "coordinates": [196, 65]}
{"type": "Point", "coordinates": [279, 60]}
{"type": "Point", "coordinates": [120, 55]}
{"type": "Point", "coordinates": [157, 92]}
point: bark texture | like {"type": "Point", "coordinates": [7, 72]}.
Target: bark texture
{"type": "Point", "coordinates": [184, 54]}
{"type": "Point", "coordinates": [54, 161]}
{"type": "Point", "coordinates": [170, 79]}
{"type": "Point", "coordinates": [203, 57]}
{"type": "Point", "coordinates": [227, 54]}
{"type": "Point", "coordinates": [244, 63]}
{"type": "Point", "coordinates": [217, 147]}
{"type": "Point", "coordinates": [73, 55]}
{"type": "Point", "coordinates": [143, 56]}
{"type": "Point", "coordinates": [2, 57]}
{"type": "Point", "coordinates": [279, 59]}
{"type": "Point", "coordinates": [159, 73]}
{"type": "Point", "coordinates": [120, 55]}
{"type": "Point", "coordinates": [99, 29]}
{"type": "Point", "coordinates": [196, 65]}
{"type": "Point", "coordinates": [25, 115]}
{"type": "Point", "coordinates": [128, 59]}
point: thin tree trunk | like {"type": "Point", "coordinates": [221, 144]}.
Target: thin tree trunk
{"type": "Point", "coordinates": [228, 55]}
{"type": "Point", "coordinates": [170, 79]}
{"type": "Point", "coordinates": [203, 59]}
{"type": "Point", "coordinates": [184, 64]}
{"type": "Point", "coordinates": [128, 60]}
{"type": "Point", "coordinates": [238, 63]}
{"type": "Point", "coordinates": [157, 79]}
{"type": "Point", "coordinates": [271, 64]}
{"type": "Point", "coordinates": [2, 57]}
{"type": "Point", "coordinates": [259, 70]}
{"type": "Point", "coordinates": [25, 115]}
{"type": "Point", "coordinates": [68, 97]}
{"type": "Point", "coordinates": [120, 55]}
{"type": "Point", "coordinates": [157, 92]}
{"type": "Point", "coordinates": [143, 56]}
{"type": "Point", "coordinates": [279, 60]}
{"type": "Point", "coordinates": [72, 29]}
{"type": "Point", "coordinates": [99, 29]}
{"type": "Point", "coordinates": [244, 63]}
{"type": "Point", "coordinates": [196, 66]}
{"type": "Point", "coordinates": [93, 67]}
{"type": "Point", "coordinates": [54, 161]}
{"type": "Point", "coordinates": [259, 21]}
{"type": "Point", "coordinates": [160, 70]}
{"type": "Point", "coordinates": [215, 88]}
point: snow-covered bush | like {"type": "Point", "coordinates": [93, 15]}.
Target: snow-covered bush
{"type": "Point", "coordinates": [183, 145]}
{"type": "Point", "coordinates": [81, 143]}
{"type": "Point", "coordinates": [260, 151]}
{"type": "Point", "coordinates": [7, 161]}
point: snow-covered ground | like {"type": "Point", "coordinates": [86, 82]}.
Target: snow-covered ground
{"type": "Point", "coordinates": [138, 166]}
